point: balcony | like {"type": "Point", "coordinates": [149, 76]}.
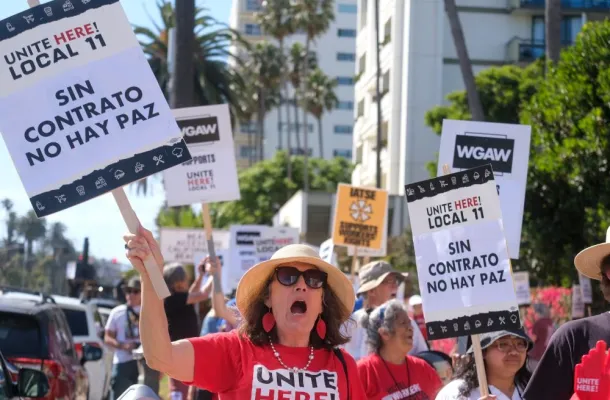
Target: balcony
{"type": "Point", "coordinates": [566, 5]}
{"type": "Point", "coordinates": [526, 50]}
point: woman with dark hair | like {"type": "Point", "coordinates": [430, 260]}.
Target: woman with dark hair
{"type": "Point", "coordinates": [292, 308]}
{"type": "Point", "coordinates": [505, 354]}
{"type": "Point", "coordinates": [388, 372]}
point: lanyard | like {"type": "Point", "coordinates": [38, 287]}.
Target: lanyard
{"type": "Point", "coordinates": [390, 372]}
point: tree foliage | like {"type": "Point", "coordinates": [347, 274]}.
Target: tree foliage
{"type": "Point", "coordinates": [264, 189]}
{"type": "Point", "coordinates": [567, 201]}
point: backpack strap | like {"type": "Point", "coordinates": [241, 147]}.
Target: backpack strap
{"type": "Point", "coordinates": [339, 355]}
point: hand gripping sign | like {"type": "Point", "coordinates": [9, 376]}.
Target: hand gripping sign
{"type": "Point", "coordinates": [592, 375]}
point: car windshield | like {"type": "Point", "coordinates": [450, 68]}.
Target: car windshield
{"type": "Point", "coordinates": [20, 335]}
{"type": "Point", "coordinates": [77, 320]}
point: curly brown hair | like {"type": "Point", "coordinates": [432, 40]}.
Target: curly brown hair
{"type": "Point", "coordinates": [252, 321]}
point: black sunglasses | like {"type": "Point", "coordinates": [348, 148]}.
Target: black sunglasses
{"type": "Point", "coordinates": [288, 276]}
{"type": "Point", "coordinates": [132, 291]}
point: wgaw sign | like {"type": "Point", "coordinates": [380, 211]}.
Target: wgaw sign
{"type": "Point", "coordinates": [469, 144]}
{"type": "Point", "coordinates": [200, 130]}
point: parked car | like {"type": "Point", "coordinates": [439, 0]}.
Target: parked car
{"type": "Point", "coordinates": [36, 334]}
{"type": "Point", "coordinates": [86, 326]}
{"type": "Point", "coordinates": [28, 382]}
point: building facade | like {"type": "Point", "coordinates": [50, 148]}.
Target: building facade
{"type": "Point", "coordinates": [420, 67]}
{"type": "Point", "coordinates": [336, 57]}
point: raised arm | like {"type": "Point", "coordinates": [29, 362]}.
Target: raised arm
{"type": "Point", "coordinates": [196, 292]}
{"type": "Point", "coordinates": [218, 298]}
{"type": "Point", "coordinates": [175, 359]}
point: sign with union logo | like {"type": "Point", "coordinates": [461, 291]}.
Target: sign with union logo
{"type": "Point", "coordinates": [360, 216]}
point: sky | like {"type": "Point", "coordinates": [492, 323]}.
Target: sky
{"type": "Point", "coordinates": [98, 219]}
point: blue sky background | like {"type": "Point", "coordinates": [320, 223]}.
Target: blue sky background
{"type": "Point", "coordinates": [98, 219]}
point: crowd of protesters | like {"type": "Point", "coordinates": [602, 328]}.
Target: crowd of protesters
{"type": "Point", "coordinates": [294, 330]}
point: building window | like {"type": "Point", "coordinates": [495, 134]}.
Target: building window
{"type": "Point", "coordinates": [342, 153]}
{"type": "Point", "coordinates": [345, 105]}
{"type": "Point", "coordinates": [361, 108]}
{"type": "Point", "coordinates": [346, 57]}
{"type": "Point", "coordinates": [363, 12]}
{"type": "Point", "coordinates": [253, 30]}
{"type": "Point", "coordinates": [344, 129]}
{"type": "Point", "coordinates": [293, 126]}
{"type": "Point", "coordinates": [349, 33]}
{"type": "Point", "coordinates": [253, 5]}
{"type": "Point", "coordinates": [247, 151]}
{"type": "Point", "coordinates": [387, 31]}
{"type": "Point", "coordinates": [248, 127]}
{"type": "Point", "coordinates": [347, 8]}
{"type": "Point", "coordinates": [299, 152]}
{"type": "Point", "coordinates": [362, 64]}
{"type": "Point", "coordinates": [345, 80]}
{"type": "Point", "coordinates": [570, 27]}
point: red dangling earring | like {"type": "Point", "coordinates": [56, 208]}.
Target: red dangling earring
{"type": "Point", "coordinates": [268, 321]}
{"type": "Point", "coordinates": [321, 328]}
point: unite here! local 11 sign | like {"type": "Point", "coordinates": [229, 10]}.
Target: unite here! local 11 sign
{"type": "Point", "coordinates": [360, 217]}
{"type": "Point", "coordinates": [463, 266]}
{"type": "Point", "coordinates": [469, 144]}
{"type": "Point", "coordinates": [211, 175]}
{"type": "Point", "coordinates": [81, 112]}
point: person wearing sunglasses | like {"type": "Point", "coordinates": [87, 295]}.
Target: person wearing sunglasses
{"type": "Point", "coordinates": [122, 334]}
{"type": "Point", "coordinates": [388, 372]}
{"type": "Point", "coordinates": [505, 356]}
{"type": "Point", "coordinates": [292, 308]}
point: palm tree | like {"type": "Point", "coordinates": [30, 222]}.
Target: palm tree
{"type": "Point", "coordinates": [214, 80]}
{"type": "Point", "coordinates": [11, 221]}
{"type": "Point", "coordinates": [276, 20]}
{"type": "Point", "coordinates": [474, 101]}
{"type": "Point", "coordinates": [31, 229]}
{"type": "Point", "coordinates": [321, 97]}
{"type": "Point", "coordinates": [314, 18]}
{"type": "Point", "coordinates": [62, 248]}
{"type": "Point", "coordinates": [265, 61]}
{"type": "Point", "coordinates": [552, 18]}
{"type": "Point", "coordinates": [297, 60]}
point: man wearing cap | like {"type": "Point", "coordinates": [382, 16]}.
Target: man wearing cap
{"type": "Point", "coordinates": [378, 283]}
{"type": "Point", "coordinates": [554, 376]}
{"type": "Point", "coordinates": [123, 335]}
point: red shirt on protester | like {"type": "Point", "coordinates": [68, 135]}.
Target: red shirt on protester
{"type": "Point", "coordinates": [231, 365]}
{"type": "Point", "coordinates": [415, 380]}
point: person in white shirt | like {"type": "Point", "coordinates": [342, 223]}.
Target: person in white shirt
{"type": "Point", "coordinates": [378, 283]}
{"type": "Point", "coordinates": [123, 335]}
{"type": "Point", "coordinates": [505, 354]}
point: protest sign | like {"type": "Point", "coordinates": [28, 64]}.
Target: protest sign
{"type": "Point", "coordinates": [242, 249]}
{"type": "Point", "coordinates": [462, 263]}
{"type": "Point", "coordinates": [468, 144]}
{"type": "Point", "coordinates": [578, 305]}
{"type": "Point", "coordinates": [360, 217]}
{"type": "Point", "coordinates": [211, 175]}
{"type": "Point", "coordinates": [327, 252]}
{"type": "Point", "coordinates": [75, 128]}
{"type": "Point", "coordinates": [522, 287]}
{"type": "Point", "coordinates": [267, 245]}
{"type": "Point", "coordinates": [198, 257]}
{"type": "Point", "coordinates": [181, 244]}
{"type": "Point", "coordinates": [586, 289]}
{"type": "Point", "coordinates": [366, 252]}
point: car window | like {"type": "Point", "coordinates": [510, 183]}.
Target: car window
{"type": "Point", "coordinates": [77, 320]}
{"type": "Point", "coordinates": [20, 335]}
{"type": "Point", "coordinates": [64, 336]}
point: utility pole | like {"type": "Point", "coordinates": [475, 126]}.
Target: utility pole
{"type": "Point", "coordinates": [378, 93]}
{"type": "Point", "coordinates": [181, 49]}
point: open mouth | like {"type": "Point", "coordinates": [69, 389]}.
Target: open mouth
{"type": "Point", "coordinates": [393, 295]}
{"type": "Point", "coordinates": [298, 307]}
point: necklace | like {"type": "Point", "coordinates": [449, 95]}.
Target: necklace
{"type": "Point", "coordinates": [293, 369]}
{"type": "Point", "coordinates": [390, 372]}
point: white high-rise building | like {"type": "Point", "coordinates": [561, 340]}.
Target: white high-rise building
{"type": "Point", "coordinates": [420, 67]}
{"type": "Point", "coordinates": [336, 57]}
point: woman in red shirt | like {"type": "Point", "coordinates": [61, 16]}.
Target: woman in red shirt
{"type": "Point", "coordinates": [292, 308]}
{"type": "Point", "coordinates": [388, 372]}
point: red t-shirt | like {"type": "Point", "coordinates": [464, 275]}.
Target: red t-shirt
{"type": "Point", "coordinates": [229, 364]}
{"type": "Point", "coordinates": [420, 383]}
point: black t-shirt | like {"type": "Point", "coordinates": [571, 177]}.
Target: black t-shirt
{"type": "Point", "coordinates": [181, 317]}
{"type": "Point", "coordinates": [554, 376]}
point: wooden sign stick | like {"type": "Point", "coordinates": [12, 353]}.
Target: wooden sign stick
{"type": "Point", "coordinates": [354, 264]}
{"type": "Point", "coordinates": [133, 225]}
{"type": "Point", "coordinates": [207, 225]}
{"type": "Point", "coordinates": [476, 341]}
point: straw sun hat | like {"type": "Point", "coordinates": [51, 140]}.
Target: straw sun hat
{"type": "Point", "coordinates": [253, 281]}
{"type": "Point", "coordinates": [588, 261]}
